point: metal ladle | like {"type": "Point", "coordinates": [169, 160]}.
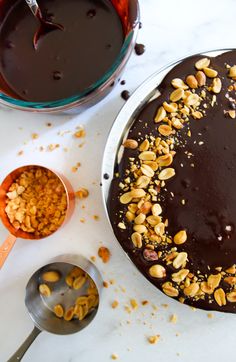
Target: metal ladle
{"type": "Point", "coordinates": [40, 308]}
{"type": "Point", "coordinates": [45, 25]}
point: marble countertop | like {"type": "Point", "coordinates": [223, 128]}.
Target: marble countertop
{"type": "Point", "coordinates": [171, 29]}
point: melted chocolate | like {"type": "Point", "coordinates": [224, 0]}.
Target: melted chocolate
{"type": "Point", "coordinates": [139, 49]}
{"type": "Point", "coordinates": [106, 176]}
{"type": "Point", "coordinates": [206, 181]}
{"type": "Point", "coordinates": [65, 62]}
{"type": "Point", "coordinates": [125, 95]}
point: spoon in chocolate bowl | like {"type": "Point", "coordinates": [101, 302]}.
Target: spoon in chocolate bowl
{"type": "Point", "coordinates": [45, 25]}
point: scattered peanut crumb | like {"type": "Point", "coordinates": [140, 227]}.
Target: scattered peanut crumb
{"type": "Point", "coordinates": [62, 133]}
{"type": "Point", "coordinates": [20, 153]}
{"type": "Point", "coordinates": [115, 304]}
{"type": "Point", "coordinates": [93, 258]}
{"type": "Point", "coordinates": [34, 136]}
{"type": "Point", "coordinates": [165, 305]}
{"type": "Point", "coordinates": [210, 315]}
{"type": "Point", "coordinates": [193, 309]}
{"type": "Point", "coordinates": [232, 114]}
{"type": "Point", "coordinates": [104, 254]}
{"type": "Point", "coordinates": [127, 309]}
{"type": "Point", "coordinates": [173, 318]}
{"type": "Point", "coordinates": [112, 281]}
{"type": "Point", "coordinates": [41, 148]}
{"type": "Point", "coordinates": [49, 124]}
{"type": "Point", "coordinates": [154, 339]}
{"type": "Point", "coordinates": [114, 356]}
{"type": "Point", "coordinates": [82, 193]}
{"type": "Point", "coordinates": [105, 284]}
{"type": "Point", "coordinates": [82, 220]}
{"type": "Point", "coordinates": [134, 303]}
{"type": "Point", "coordinates": [74, 169]}
{"type": "Point", "coordinates": [96, 217]}
{"type": "Point", "coordinates": [145, 302]}
{"type": "Point", "coordinates": [81, 144]}
{"type": "Point", "coordinates": [80, 133]}
{"type": "Point", "coordinates": [52, 146]}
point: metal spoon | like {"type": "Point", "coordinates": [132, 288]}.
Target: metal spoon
{"type": "Point", "coordinates": [45, 25]}
{"type": "Point", "coordinates": [40, 308]}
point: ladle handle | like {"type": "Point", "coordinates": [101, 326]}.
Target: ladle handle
{"type": "Point", "coordinates": [25, 346]}
{"type": "Point", "coordinates": [6, 247]}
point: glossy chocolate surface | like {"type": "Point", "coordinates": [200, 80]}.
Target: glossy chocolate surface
{"type": "Point", "coordinates": [65, 62]}
{"type": "Point", "coordinates": [206, 181]}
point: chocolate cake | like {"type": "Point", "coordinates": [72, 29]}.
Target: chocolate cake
{"type": "Point", "coordinates": [172, 202]}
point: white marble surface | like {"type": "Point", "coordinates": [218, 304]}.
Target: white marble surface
{"type": "Point", "coordinates": [171, 29]}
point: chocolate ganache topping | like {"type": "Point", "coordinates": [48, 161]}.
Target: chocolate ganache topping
{"type": "Point", "coordinates": [172, 201]}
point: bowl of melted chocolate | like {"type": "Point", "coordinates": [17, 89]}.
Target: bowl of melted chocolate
{"type": "Point", "coordinates": [169, 190]}
{"type": "Point", "coordinates": [71, 67]}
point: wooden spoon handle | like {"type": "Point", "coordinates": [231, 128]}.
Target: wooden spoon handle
{"type": "Point", "coordinates": [6, 247]}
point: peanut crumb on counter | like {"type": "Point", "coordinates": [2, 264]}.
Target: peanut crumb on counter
{"type": "Point", "coordinates": [53, 146]}
{"type": "Point", "coordinates": [104, 254]}
{"type": "Point", "coordinates": [93, 258]}
{"type": "Point", "coordinates": [105, 284]}
{"type": "Point", "coordinates": [76, 167]}
{"type": "Point", "coordinates": [112, 281]}
{"type": "Point", "coordinates": [114, 356]}
{"type": "Point", "coordinates": [115, 304]}
{"type": "Point", "coordinates": [62, 133]}
{"type": "Point", "coordinates": [82, 220]}
{"type": "Point", "coordinates": [173, 318]}
{"type": "Point", "coordinates": [81, 144]}
{"type": "Point", "coordinates": [155, 307]}
{"type": "Point", "coordinates": [134, 304]}
{"type": "Point", "coordinates": [96, 217]}
{"type": "Point", "coordinates": [154, 339]}
{"type": "Point", "coordinates": [165, 305]}
{"type": "Point", "coordinates": [145, 302]}
{"type": "Point", "coordinates": [127, 309]}
{"type": "Point", "coordinates": [82, 193]}
{"type": "Point", "coordinates": [49, 124]}
{"type": "Point", "coordinates": [80, 133]}
{"type": "Point", "coordinates": [193, 309]}
{"type": "Point", "coordinates": [41, 148]}
{"type": "Point", "coordinates": [34, 136]}
{"type": "Point", "coordinates": [20, 153]}
{"type": "Point", "coordinates": [210, 315]}
{"type": "Point", "coordinates": [177, 334]}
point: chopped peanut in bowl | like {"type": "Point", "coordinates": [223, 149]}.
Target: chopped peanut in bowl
{"type": "Point", "coordinates": [79, 290]}
{"type": "Point", "coordinates": [36, 202]}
